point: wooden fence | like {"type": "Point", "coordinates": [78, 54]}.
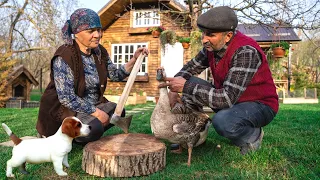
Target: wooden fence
{"type": "Point", "coordinates": [22, 104]}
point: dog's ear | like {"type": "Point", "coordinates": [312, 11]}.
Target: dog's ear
{"type": "Point", "coordinates": [71, 127]}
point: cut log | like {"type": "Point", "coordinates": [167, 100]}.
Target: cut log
{"type": "Point", "coordinates": [124, 155]}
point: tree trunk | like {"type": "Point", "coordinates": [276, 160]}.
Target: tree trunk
{"type": "Point", "coordinates": [124, 155]}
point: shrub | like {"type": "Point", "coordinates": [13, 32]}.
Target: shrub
{"type": "Point", "coordinates": [196, 42]}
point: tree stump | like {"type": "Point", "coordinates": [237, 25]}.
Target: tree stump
{"type": "Point", "coordinates": [124, 155]}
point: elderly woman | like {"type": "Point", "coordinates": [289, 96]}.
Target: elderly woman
{"type": "Point", "coordinates": [78, 78]}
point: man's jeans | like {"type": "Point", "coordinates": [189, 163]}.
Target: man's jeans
{"type": "Point", "coordinates": [242, 122]}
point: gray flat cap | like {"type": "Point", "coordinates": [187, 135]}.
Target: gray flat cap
{"type": "Point", "coordinates": [218, 19]}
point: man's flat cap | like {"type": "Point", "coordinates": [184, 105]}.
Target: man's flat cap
{"type": "Point", "coordinates": [218, 19]}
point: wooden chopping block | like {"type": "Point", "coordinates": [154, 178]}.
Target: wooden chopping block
{"type": "Point", "coordinates": [124, 155]}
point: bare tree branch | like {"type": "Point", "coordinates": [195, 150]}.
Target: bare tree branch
{"type": "Point", "coordinates": [30, 49]}
{"type": "Point", "coordinates": [3, 2]}
{"type": "Point", "coordinates": [13, 24]}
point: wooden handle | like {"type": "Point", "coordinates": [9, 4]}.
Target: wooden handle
{"type": "Point", "coordinates": [124, 96]}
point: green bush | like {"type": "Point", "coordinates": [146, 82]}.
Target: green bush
{"type": "Point", "coordinates": [35, 95]}
{"type": "Point", "coordinates": [317, 86]}
{"type": "Point", "coordinates": [300, 77]}
{"type": "Point", "coordinates": [196, 42]}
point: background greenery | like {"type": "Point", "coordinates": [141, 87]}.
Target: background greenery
{"type": "Point", "coordinates": [291, 149]}
{"type": "Point", "coordinates": [35, 95]}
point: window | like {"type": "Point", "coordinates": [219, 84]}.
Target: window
{"type": "Point", "coordinates": [146, 18]}
{"type": "Point", "coordinates": [122, 53]}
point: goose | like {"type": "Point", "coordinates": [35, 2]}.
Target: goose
{"type": "Point", "coordinates": [188, 130]}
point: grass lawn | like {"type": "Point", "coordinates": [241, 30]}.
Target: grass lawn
{"type": "Point", "coordinates": [290, 150]}
{"type": "Point", "coordinates": [35, 95]}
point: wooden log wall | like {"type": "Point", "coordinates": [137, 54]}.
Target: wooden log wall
{"type": "Point", "coordinates": [118, 32]}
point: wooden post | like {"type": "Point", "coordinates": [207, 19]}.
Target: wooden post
{"type": "Point", "coordinates": [40, 87]}
{"type": "Point", "coordinates": [305, 92]}
{"type": "Point", "coordinates": [20, 104]}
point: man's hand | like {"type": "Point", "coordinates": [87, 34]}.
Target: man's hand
{"type": "Point", "coordinates": [175, 84]}
{"type": "Point", "coordinates": [102, 116]}
{"type": "Point", "coordinates": [174, 98]}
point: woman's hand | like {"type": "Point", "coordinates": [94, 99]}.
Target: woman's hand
{"type": "Point", "coordinates": [133, 60]}
{"type": "Point", "coordinates": [102, 116]}
{"type": "Point", "coordinates": [139, 51]}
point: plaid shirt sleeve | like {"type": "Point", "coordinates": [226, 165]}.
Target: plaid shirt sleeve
{"type": "Point", "coordinates": [116, 74]}
{"type": "Point", "coordinates": [244, 64]}
{"type": "Point", "coordinates": [64, 82]}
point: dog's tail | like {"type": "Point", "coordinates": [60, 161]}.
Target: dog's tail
{"type": "Point", "coordinates": [16, 140]}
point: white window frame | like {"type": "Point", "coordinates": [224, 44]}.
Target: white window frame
{"type": "Point", "coordinates": [141, 18]}
{"type": "Point", "coordinates": [120, 52]}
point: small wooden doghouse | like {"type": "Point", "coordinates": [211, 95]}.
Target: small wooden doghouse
{"type": "Point", "coordinates": [19, 83]}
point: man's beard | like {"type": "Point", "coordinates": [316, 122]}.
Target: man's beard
{"type": "Point", "coordinates": [210, 45]}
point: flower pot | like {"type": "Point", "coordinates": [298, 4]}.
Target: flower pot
{"type": "Point", "coordinates": [278, 52]}
{"type": "Point", "coordinates": [155, 34]}
{"type": "Point", "coordinates": [185, 45]}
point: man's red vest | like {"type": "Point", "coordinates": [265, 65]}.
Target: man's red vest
{"type": "Point", "coordinates": [261, 88]}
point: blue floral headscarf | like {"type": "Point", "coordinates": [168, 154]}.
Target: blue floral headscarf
{"type": "Point", "coordinates": [81, 19]}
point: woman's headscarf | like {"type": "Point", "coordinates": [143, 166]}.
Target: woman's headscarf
{"type": "Point", "coordinates": [81, 19]}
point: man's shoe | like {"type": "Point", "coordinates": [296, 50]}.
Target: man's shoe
{"type": "Point", "coordinates": [82, 144]}
{"type": "Point", "coordinates": [249, 147]}
{"type": "Point", "coordinates": [176, 148]}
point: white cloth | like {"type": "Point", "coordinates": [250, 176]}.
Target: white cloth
{"type": "Point", "coordinates": [172, 59]}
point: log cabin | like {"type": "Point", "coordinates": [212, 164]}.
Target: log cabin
{"type": "Point", "coordinates": [125, 26]}
{"type": "Point", "coordinates": [125, 23]}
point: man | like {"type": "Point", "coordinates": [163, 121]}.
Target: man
{"type": "Point", "coordinates": [242, 94]}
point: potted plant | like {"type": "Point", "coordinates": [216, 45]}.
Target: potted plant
{"type": "Point", "coordinates": [167, 37]}
{"type": "Point", "coordinates": [280, 49]}
{"type": "Point", "coordinates": [185, 41]}
{"type": "Point", "coordinates": [156, 30]}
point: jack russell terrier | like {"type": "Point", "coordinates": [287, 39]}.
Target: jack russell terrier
{"type": "Point", "coordinates": [53, 149]}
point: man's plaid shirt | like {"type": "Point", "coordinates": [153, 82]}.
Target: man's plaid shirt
{"type": "Point", "coordinates": [244, 64]}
